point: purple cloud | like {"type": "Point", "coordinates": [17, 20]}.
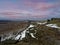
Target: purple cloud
{"type": "Point", "coordinates": [28, 8]}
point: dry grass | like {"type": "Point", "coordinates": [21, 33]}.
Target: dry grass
{"type": "Point", "coordinates": [12, 26]}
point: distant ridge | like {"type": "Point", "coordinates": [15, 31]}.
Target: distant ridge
{"type": "Point", "coordinates": [5, 20]}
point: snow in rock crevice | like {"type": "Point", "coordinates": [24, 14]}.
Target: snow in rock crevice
{"type": "Point", "coordinates": [32, 35]}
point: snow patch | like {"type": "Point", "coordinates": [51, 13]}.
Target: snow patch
{"type": "Point", "coordinates": [41, 23]}
{"type": "Point", "coordinates": [20, 36]}
{"type": "Point", "coordinates": [17, 37]}
{"type": "Point", "coordinates": [31, 26]}
{"type": "Point", "coordinates": [23, 33]}
{"type": "Point", "coordinates": [5, 38]}
{"type": "Point", "coordinates": [53, 25]}
{"type": "Point", "coordinates": [32, 35]}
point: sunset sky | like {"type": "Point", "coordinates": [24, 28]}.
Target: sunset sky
{"type": "Point", "coordinates": [29, 9]}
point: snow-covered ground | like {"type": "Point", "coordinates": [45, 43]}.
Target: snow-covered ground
{"type": "Point", "coordinates": [53, 26]}
{"type": "Point", "coordinates": [22, 35]}
{"type": "Point", "coordinates": [17, 37]}
{"type": "Point", "coordinates": [7, 37]}
{"type": "Point", "coordinates": [30, 26]}
{"type": "Point", "coordinates": [49, 25]}
{"type": "Point", "coordinates": [41, 23]}
{"type": "Point", "coordinates": [32, 35]}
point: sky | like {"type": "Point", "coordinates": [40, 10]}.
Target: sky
{"type": "Point", "coordinates": [29, 9]}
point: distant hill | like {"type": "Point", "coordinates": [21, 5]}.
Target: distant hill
{"type": "Point", "coordinates": [5, 20]}
{"type": "Point", "coordinates": [54, 21]}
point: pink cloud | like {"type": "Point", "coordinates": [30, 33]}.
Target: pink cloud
{"type": "Point", "coordinates": [40, 10]}
{"type": "Point", "coordinates": [15, 13]}
{"type": "Point", "coordinates": [41, 5]}
{"type": "Point", "coordinates": [23, 14]}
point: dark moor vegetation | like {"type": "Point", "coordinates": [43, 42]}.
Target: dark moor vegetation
{"type": "Point", "coordinates": [44, 36]}
{"type": "Point", "coordinates": [6, 27]}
